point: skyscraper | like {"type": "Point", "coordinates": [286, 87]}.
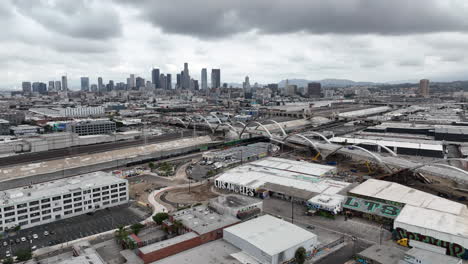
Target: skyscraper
{"type": "Point", "coordinates": [85, 84]}
{"type": "Point", "coordinates": [64, 83]}
{"type": "Point", "coordinates": [314, 89]}
{"type": "Point", "coordinates": [215, 78]}
{"type": "Point", "coordinates": [246, 84]}
{"type": "Point", "coordinates": [178, 81]}
{"type": "Point", "coordinates": [168, 81]}
{"type": "Point", "coordinates": [132, 81]}
{"type": "Point", "coordinates": [51, 87]}
{"type": "Point", "coordinates": [186, 77]}
{"type": "Point", "coordinates": [94, 88]}
{"type": "Point", "coordinates": [140, 82]}
{"type": "Point", "coordinates": [155, 77]}
{"type": "Point", "coordinates": [204, 79]}
{"type": "Point", "coordinates": [424, 88]}
{"type": "Point", "coordinates": [58, 86]}
{"type": "Point", "coordinates": [26, 86]}
{"type": "Point", "coordinates": [162, 82]}
{"type": "Point", "coordinates": [100, 84]}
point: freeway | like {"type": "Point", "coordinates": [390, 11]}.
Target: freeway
{"type": "Point", "coordinates": [88, 149]}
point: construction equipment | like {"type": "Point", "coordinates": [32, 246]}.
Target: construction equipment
{"type": "Point", "coordinates": [403, 242]}
{"type": "Point", "coordinates": [368, 167]}
{"type": "Point", "coordinates": [315, 158]}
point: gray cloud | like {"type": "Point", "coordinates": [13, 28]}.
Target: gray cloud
{"type": "Point", "coordinates": [220, 18]}
{"type": "Point", "coordinates": [88, 19]}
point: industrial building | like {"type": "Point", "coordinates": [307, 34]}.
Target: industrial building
{"type": "Point", "coordinates": [280, 178]}
{"type": "Point", "coordinates": [91, 127]}
{"type": "Point", "coordinates": [55, 200]}
{"type": "Point", "coordinates": [268, 239]}
{"type": "Point", "coordinates": [240, 154]}
{"type": "Point", "coordinates": [69, 112]}
{"type": "Point", "coordinates": [200, 225]}
{"type": "Point", "coordinates": [242, 207]}
{"type": "Point", "coordinates": [26, 130]}
{"type": "Point", "coordinates": [429, 222]}
{"type": "Point", "coordinates": [4, 127]}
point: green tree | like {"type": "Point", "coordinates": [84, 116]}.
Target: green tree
{"type": "Point", "coordinates": [8, 260]}
{"type": "Point", "coordinates": [300, 255]}
{"type": "Point", "coordinates": [121, 234]}
{"type": "Point", "coordinates": [17, 228]}
{"type": "Point", "coordinates": [151, 165]}
{"type": "Point", "coordinates": [136, 228]}
{"type": "Point", "coordinates": [160, 217]}
{"type": "Point", "coordinates": [210, 173]}
{"type": "Point", "coordinates": [177, 226]}
{"type": "Point", "coordinates": [23, 254]}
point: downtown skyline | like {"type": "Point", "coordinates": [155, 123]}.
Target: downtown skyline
{"type": "Point", "coordinates": [378, 41]}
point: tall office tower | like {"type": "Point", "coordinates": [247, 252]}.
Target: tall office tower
{"type": "Point", "coordinates": [111, 85]}
{"type": "Point", "coordinates": [204, 79]}
{"type": "Point", "coordinates": [140, 82]}
{"type": "Point", "coordinates": [168, 81]}
{"type": "Point", "coordinates": [85, 84]}
{"type": "Point", "coordinates": [246, 84]}
{"type": "Point", "coordinates": [39, 87]}
{"type": "Point", "coordinates": [64, 83]}
{"type": "Point", "coordinates": [129, 83]}
{"type": "Point", "coordinates": [51, 87]}
{"type": "Point", "coordinates": [178, 78]}
{"type": "Point", "coordinates": [58, 86]}
{"type": "Point", "coordinates": [162, 81]}
{"type": "Point", "coordinates": [273, 87]}
{"type": "Point", "coordinates": [149, 85]}
{"type": "Point", "coordinates": [100, 84]}
{"type": "Point", "coordinates": [186, 77]}
{"type": "Point", "coordinates": [132, 81]}
{"type": "Point", "coordinates": [94, 88]}
{"type": "Point", "coordinates": [314, 89]}
{"type": "Point", "coordinates": [215, 78]}
{"type": "Point", "coordinates": [424, 88]}
{"type": "Point", "coordinates": [155, 77]}
{"type": "Point", "coordinates": [26, 86]}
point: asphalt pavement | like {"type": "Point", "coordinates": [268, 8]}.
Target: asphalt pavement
{"type": "Point", "coordinates": [73, 228]}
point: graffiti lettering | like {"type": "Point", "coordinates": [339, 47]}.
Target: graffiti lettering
{"type": "Point", "coordinates": [372, 207]}
{"type": "Point", "coordinates": [235, 188]}
{"type": "Point", "coordinates": [451, 249]}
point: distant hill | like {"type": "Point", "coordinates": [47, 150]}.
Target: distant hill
{"type": "Point", "coordinates": [325, 82]}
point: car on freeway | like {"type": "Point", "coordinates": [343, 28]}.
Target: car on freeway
{"type": "Point", "coordinates": [23, 239]}
{"type": "Point", "coordinates": [35, 236]}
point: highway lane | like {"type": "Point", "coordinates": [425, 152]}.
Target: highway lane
{"type": "Point", "coordinates": [74, 151]}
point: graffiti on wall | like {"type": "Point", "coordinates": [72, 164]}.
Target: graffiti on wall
{"type": "Point", "coordinates": [452, 249]}
{"type": "Point", "coordinates": [372, 207]}
{"type": "Point", "coordinates": [235, 188]}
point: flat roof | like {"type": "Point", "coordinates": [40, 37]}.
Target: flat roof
{"type": "Point", "coordinates": [215, 252]}
{"type": "Point", "coordinates": [254, 175]}
{"type": "Point", "coordinates": [365, 112]}
{"type": "Point", "coordinates": [270, 234]}
{"type": "Point", "coordinates": [383, 254]}
{"type": "Point", "coordinates": [427, 256]}
{"type": "Point", "coordinates": [434, 145]}
{"type": "Point", "coordinates": [235, 200]}
{"type": "Point", "coordinates": [201, 219]}
{"type": "Point", "coordinates": [57, 187]}
{"type": "Point", "coordinates": [167, 243]}
{"type": "Point", "coordinates": [395, 192]}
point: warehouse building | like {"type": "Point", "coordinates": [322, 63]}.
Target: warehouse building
{"type": "Point", "coordinates": [267, 239]}
{"type": "Point", "coordinates": [240, 154]}
{"type": "Point", "coordinates": [280, 178]}
{"type": "Point", "coordinates": [55, 200]}
{"type": "Point", "coordinates": [242, 207]}
{"type": "Point", "coordinates": [429, 222]}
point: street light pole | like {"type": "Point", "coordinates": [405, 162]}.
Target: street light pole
{"type": "Point", "coordinates": [292, 210]}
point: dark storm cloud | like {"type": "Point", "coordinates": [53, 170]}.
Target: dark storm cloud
{"type": "Point", "coordinates": [85, 19]}
{"type": "Point", "coordinates": [219, 18]}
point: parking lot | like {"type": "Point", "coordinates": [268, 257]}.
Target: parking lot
{"type": "Point", "coordinates": [73, 228]}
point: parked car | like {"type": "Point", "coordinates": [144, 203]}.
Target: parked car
{"type": "Point", "coordinates": [35, 236]}
{"type": "Point", "coordinates": [5, 244]}
{"type": "Point", "coordinates": [23, 239]}
{"type": "Point", "coordinates": [46, 233]}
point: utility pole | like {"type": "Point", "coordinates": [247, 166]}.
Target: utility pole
{"type": "Point", "coordinates": [292, 210]}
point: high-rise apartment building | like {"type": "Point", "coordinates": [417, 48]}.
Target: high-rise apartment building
{"type": "Point", "coordinates": [85, 84]}
{"type": "Point", "coordinates": [155, 77]}
{"type": "Point", "coordinates": [424, 88]}
{"type": "Point", "coordinates": [215, 78]}
{"type": "Point", "coordinates": [204, 79]}
{"type": "Point", "coordinates": [64, 83]}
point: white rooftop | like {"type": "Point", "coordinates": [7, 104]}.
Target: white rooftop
{"type": "Point", "coordinates": [254, 175]}
{"type": "Point", "coordinates": [437, 146]}
{"type": "Point", "coordinates": [57, 187]}
{"type": "Point", "coordinates": [395, 192]}
{"type": "Point", "coordinates": [270, 234]}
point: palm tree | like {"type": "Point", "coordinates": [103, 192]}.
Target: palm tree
{"type": "Point", "coordinates": [121, 235]}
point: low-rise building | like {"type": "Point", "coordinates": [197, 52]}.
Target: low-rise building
{"type": "Point", "coordinates": [91, 127]}
{"type": "Point", "coordinates": [26, 130]}
{"type": "Point", "coordinates": [268, 239]}
{"type": "Point", "coordinates": [47, 202]}
{"type": "Point", "coordinates": [239, 206]}
{"type": "Point", "coordinates": [4, 127]}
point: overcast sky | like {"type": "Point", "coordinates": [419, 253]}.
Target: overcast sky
{"type": "Point", "coordinates": [269, 40]}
